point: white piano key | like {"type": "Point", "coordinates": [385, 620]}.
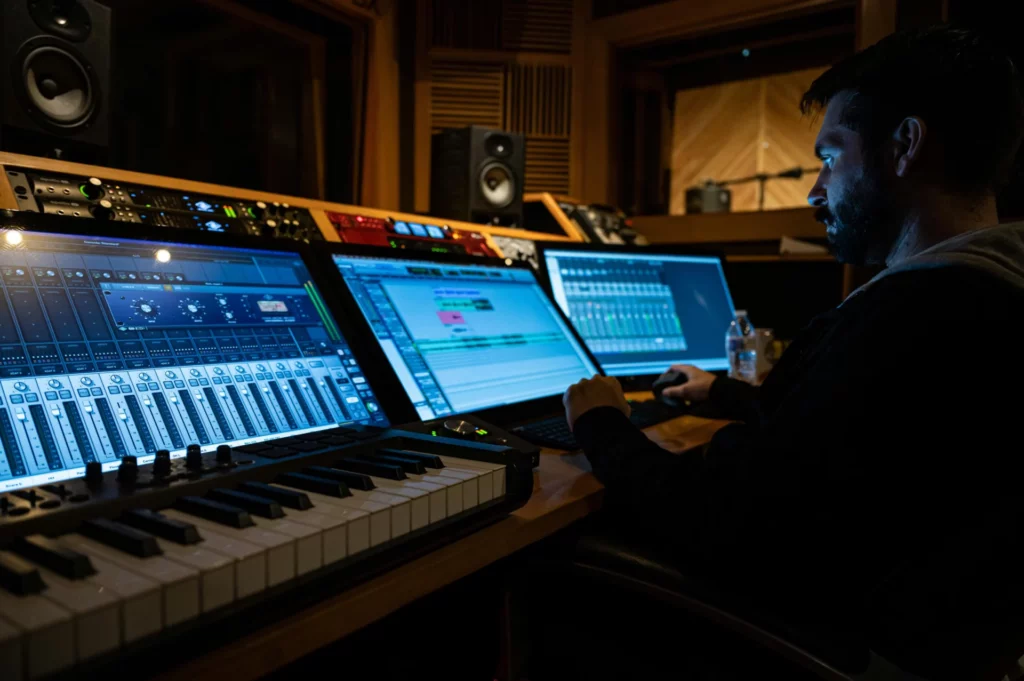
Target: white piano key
{"type": "Point", "coordinates": [454, 486]}
{"type": "Point", "coordinates": [280, 549]}
{"type": "Point", "coordinates": [216, 572]}
{"type": "Point", "coordinates": [357, 521]}
{"type": "Point", "coordinates": [470, 484]}
{"type": "Point", "coordinates": [379, 514]}
{"type": "Point", "coordinates": [419, 500]}
{"type": "Point", "coordinates": [309, 554]}
{"type": "Point", "coordinates": [141, 603]}
{"type": "Point", "coordinates": [10, 652]}
{"type": "Point", "coordinates": [250, 561]}
{"type": "Point", "coordinates": [401, 509]}
{"type": "Point", "coordinates": [180, 584]}
{"type": "Point", "coordinates": [496, 470]}
{"type": "Point", "coordinates": [47, 632]}
{"type": "Point", "coordinates": [334, 533]}
{"type": "Point", "coordinates": [96, 611]}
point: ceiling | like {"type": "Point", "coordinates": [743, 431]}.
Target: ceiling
{"type": "Point", "coordinates": [781, 45]}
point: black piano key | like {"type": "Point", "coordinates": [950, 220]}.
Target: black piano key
{"type": "Point", "coordinates": [160, 525]}
{"type": "Point", "coordinates": [50, 554]}
{"type": "Point", "coordinates": [313, 483]}
{"type": "Point", "coordinates": [381, 469]}
{"type": "Point", "coordinates": [365, 434]}
{"type": "Point", "coordinates": [260, 506]}
{"type": "Point", "coordinates": [408, 465]}
{"type": "Point", "coordinates": [121, 536]}
{"type": "Point", "coordinates": [337, 440]}
{"type": "Point", "coordinates": [307, 447]}
{"type": "Point", "coordinates": [19, 576]}
{"type": "Point", "coordinates": [429, 460]}
{"type": "Point", "coordinates": [286, 497]}
{"type": "Point", "coordinates": [218, 512]}
{"type": "Point", "coordinates": [350, 478]}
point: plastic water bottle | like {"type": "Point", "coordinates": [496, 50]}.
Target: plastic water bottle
{"type": "Point", "coordinates": [741, 347]}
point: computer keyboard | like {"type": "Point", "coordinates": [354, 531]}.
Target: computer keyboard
{"type": "Point", "coordinates": [554, 432]}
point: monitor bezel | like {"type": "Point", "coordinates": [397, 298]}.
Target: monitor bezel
{"type": "Point", "coordinates": [635, 381]}
{"type": "Point", "coordinates": [376, 366]}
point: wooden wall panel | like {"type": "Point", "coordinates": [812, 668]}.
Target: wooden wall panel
{"type": "Point", "coordinates": [714, 135]}
{"type": "Point", "coordinates": [537, 25]}
{"type": "Point", "coordinates": [740, 129]}
{"type": "Point", "coordinates": [464, 94]}
{"type": "Point", "coordinates": [788, 139]}
{"type": "Point", "coordinates": [547, 165]}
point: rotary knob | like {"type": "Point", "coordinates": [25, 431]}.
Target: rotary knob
{"type": "Point", "coordinates": [104, 210]}
{"type": "Point", "coordinates": [128, 471]}
{"type": "Point", "coordinates": [162, 464]}
{"type": "Point", "coordinates": [224, 454]}
{"type": "Point", "coordinates": [94, 474]}
{"type": "Point", "coordinates": [460, 428]}
{"type": "Point", "coordinates": [194, 457]}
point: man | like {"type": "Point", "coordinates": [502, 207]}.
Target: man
{"type": "Point", "coordinates": [873, 488]}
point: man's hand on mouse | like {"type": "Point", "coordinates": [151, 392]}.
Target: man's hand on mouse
{"type": "Point", "coordinates": [591, 393]}
{"type": "Point", "coordinates": [697, 387]}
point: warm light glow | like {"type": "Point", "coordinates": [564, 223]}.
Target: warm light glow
{"type": "Point", "coordinates": [14, 237]}
{"type": "Point", "coordinates": [163, 255]}
{"type": "Point", "coordinates": [508, 261]}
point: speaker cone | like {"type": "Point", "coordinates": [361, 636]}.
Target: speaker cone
{"type": "Point", "coordinates": [57, 87]}
{"type": "Point", "coordinates": [497, 185]}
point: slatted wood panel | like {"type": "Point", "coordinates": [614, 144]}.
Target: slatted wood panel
{"type": "Point", "coordinates": [464, 94]}
{"type": "Point", "coordinates": [536, 25]}
{"type": "Point", "coordinates": [739, 129]}
{"type": "Point", "coordinates": [547, 165]}
{"type": "Point", "coordinates": [537, 99]}
{"type": "Point", "coordinates": [788, 139]}
{"type": "Point", "coordinates": [714, 135]}
{"type": "Point", "coordinates": [470, 24]}
{"type": "Point", "coordinates": [537, 104]}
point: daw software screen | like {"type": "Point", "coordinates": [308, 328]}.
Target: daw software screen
{"type": "Point", "coordinates": [641, 313]}
{"type": "Point", "coordinates": [114, 347]}
{"type": "Point", "coordinates": [464, 338]}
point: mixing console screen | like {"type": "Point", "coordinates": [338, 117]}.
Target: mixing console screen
{"type": "Point", "coordinates": [640, 313]}
{"type": "Point", "coordinates": [117, 347]}
{"type": "Point", "coordinates": [465, 338]}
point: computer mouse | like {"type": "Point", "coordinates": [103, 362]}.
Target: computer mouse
{"type": "Point", "coordinates": [667, 380]}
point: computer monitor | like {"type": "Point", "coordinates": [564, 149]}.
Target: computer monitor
{"type": "Point", "coordinates": [465, 336]}
{"type": "Point", "coordinates": [112, 347]}
{"type": "Point", "coordinates": [640, 310]}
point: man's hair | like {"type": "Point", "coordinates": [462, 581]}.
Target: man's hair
{"type": "Point", "coordinates": [965, 89]}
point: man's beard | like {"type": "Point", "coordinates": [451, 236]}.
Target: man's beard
{"type": "Point", "coordinates": [865, 224]}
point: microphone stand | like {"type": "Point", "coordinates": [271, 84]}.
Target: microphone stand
{"type": "Point", "coordinates": [762, 178]}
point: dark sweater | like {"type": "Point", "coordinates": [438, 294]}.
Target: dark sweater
{"type": "Point", "coordinates": [875, 485]}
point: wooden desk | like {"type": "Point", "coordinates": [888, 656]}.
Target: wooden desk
{"type": "Point", "coordinates": [564, 491]}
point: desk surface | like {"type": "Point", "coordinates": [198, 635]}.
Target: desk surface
{"type": "Point", "coordinates": [564, 491]}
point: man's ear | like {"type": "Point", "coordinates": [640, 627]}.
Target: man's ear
{"type": "Point", "coordinates": [908, 141]}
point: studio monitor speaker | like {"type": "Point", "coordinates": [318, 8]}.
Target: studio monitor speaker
{"type": "Point", "coordinates": [477, 176]}
{"type": "Point", "coordinates": [55, 59]}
